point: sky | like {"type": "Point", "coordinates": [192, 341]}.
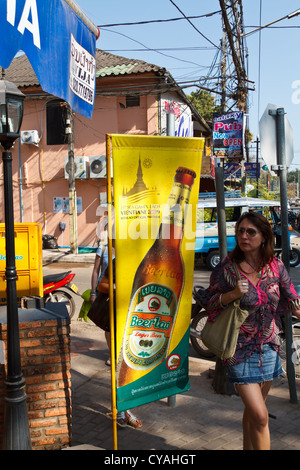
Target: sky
{"type": "Point", "coordinates": [187, 52]}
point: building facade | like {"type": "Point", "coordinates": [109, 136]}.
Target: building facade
{"type": "Point", "coordinates": [132, 97]}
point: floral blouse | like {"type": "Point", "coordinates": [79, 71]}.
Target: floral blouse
{"type": "Point", "coordinates": [266, 303]}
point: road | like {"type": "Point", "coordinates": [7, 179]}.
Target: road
{"type": "Point", "coordinates": [83, 273]}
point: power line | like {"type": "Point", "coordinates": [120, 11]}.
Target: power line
{"type": "Point", "coordinates": [153, 50]}
{"type": "Point", "coordinates": [193, 25]}
{"type": "Point", "coordinates": [158, 21]}
{"type": "Point", "coordinates": [191, 48]}
{"type": "Point", "coordinates": [289, 16]}
{"type": "Point", "coordinates": [274, 27]}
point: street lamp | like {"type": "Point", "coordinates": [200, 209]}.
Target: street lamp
{"type": "Point", "coordinates": [16, 427]}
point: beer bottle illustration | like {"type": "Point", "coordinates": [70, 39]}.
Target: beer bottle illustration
{"type": "Point", "coordinates": [157, 288]}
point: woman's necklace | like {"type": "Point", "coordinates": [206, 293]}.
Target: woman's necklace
{"type": "Point", "coordinates": [254, 269]}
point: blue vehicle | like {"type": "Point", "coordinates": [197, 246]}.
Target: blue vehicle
{"type": "Point", "coordinates": [207, 240]}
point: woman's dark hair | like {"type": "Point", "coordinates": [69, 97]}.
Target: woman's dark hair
{"type": "Point", "coordinates": [263, 225]}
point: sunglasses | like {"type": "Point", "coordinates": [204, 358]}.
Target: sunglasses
{"type": "Point", "coordinates": [251, 232]}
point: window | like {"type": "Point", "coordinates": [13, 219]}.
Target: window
{"type": "Point", "coordinates": [56, 112]}
{"type": "Point", "coordinates": [210, 214]}
{"type": "Point", "coordinates": [132, 101]}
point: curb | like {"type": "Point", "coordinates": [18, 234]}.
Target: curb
{"type": "Point", "coordinates": [66, 256]}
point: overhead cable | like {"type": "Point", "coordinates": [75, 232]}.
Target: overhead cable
{"type": "Point", "coordinates": [153, 50]}
{"type": "Point", "coordinates": [158, 21]}
{"type": "Point", "coordinates": [205, 37]}
{"type": "Point", "coordinates": [289, 16]}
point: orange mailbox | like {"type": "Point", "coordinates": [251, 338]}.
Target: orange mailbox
{"type": "Point", "coordinates": [29, 258]}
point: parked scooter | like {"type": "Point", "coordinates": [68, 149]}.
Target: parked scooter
{"type": "Point", "coordinates": [293, 252]}
{"type": "Point", "coordinates": [198, 316]}
{"type": "Point", "coordinates": [53, 284]}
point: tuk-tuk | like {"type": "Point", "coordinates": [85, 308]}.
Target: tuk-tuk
{"type": "Point", "coordinates": [207, 240]}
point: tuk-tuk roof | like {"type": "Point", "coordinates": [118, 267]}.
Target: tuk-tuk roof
{"type": "Point", "coordinates": [239, 201]}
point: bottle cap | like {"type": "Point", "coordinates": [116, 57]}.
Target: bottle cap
{"type": "Point", "coordinates": [185, 175]}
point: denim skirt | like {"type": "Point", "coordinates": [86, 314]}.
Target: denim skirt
{"type": "Point", "coordinates": [263, 365]}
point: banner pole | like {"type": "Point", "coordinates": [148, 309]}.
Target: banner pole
{"type": "Point", "coordinates": [94, 29]}
{"type": "Point", "coordinates": [111, 294]}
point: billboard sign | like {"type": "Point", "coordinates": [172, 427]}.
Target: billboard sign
{"type": "Point", "coordinates": [59, 45]}
{"type": "Point", "coordinates": [155, 187]}
{"type": "Point", "coordinates": [228, 135]}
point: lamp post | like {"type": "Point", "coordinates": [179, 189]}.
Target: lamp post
{"type": "Point", "coordinates": [16, 427]}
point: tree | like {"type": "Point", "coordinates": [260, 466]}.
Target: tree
{"type": "Point", "coordinates": [205, 104]}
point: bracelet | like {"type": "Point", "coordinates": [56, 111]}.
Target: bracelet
{"type": "Point", "coordinates": [220, 300]}
{"type": "Point", "coordinates": [93, 293]}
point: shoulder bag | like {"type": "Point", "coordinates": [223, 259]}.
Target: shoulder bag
{"type": "Point", "coordinates": [221, 336]}
{"type": "Point", "coordinates": [99, 311]}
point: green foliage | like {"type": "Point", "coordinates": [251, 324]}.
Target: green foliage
{"type": "Point", "coordinates": [263, 192]}
{"type": "Point", "coordinates": [204, 102]}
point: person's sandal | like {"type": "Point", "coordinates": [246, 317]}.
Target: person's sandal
{"type": "Point", "coordinates": [121, 419]}
{"type": "Point", "coordinates": [133, 420]}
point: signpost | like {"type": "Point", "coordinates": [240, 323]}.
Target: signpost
{"type": "Point", "coordinates": [268, 136]}
{"type": "Point", "coordinates": [277, 152]}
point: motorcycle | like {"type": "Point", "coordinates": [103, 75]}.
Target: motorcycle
{"type": "Point", "coordinates": [198, 319]}
{"type": "Point", "coordinates": [52, 286]}
{"type": "Point", "coordinates": [294, 253]}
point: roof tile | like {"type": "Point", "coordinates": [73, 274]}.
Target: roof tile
{"type": "Point", "coordinates": [22, 74]}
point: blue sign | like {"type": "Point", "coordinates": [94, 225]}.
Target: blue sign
{"type": "Point", "coordinates": [58, 44]}
{"type": "Point", "coordinates": [234, 170]}
{"type": "Point", "coordinates": [228, 135]}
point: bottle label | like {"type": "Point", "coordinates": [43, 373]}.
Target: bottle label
{"type": "Point", "coordinates": [149, 326]}
{"type": "Point", "coordinates": [178, 199]}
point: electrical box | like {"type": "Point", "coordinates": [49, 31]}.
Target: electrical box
{"type": "Point", "coordinates": [30, 137]}
{"type": "Point", "coordinates": [81, 167]}
{"type": "Point", "coordinates": [28, 261]}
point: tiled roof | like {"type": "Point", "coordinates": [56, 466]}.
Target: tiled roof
{"type": "Point", "coordinates": [22, 74]}
{"type": "Point", "coordinates": [109, 64]}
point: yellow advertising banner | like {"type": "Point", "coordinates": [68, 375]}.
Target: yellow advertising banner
{"type": "Point", "coordinates": [155, 194]}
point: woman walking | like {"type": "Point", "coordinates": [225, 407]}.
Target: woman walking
{"type": "Point", "coordinates": [266, 292]}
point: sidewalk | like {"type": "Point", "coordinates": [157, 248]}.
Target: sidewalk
{"type": "Point", "coordinates": [63, 255]}
{"type": "Point", "coordinates": [201, 419]}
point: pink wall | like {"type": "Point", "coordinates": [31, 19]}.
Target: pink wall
{"type": "Point", "coordinates": [42, 167]}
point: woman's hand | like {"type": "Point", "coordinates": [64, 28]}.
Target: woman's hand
{"type": "Point", "coordinates": [296, 313]}
{"type": "Point", "coordinates": [240, 289]}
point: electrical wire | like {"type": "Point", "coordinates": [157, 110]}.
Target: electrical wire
{"type": "Point", "coordinates": [158, 21]}
{"type": "Point", "coordinates": [201, 34]}
{"type": "Point", "coordinates": [153, 50]}
{"type": "Point", "coordinates": [191, 48]}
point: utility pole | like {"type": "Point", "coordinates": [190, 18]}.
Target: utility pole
{"type": "Point", "coordinates": [221, 383]}
{"type": "Point", "coordinates": [257, 160]}
{"type": "Point", "coordinates": [219, 167]}
{"type": "Point", "coordinates": [72, 188]}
